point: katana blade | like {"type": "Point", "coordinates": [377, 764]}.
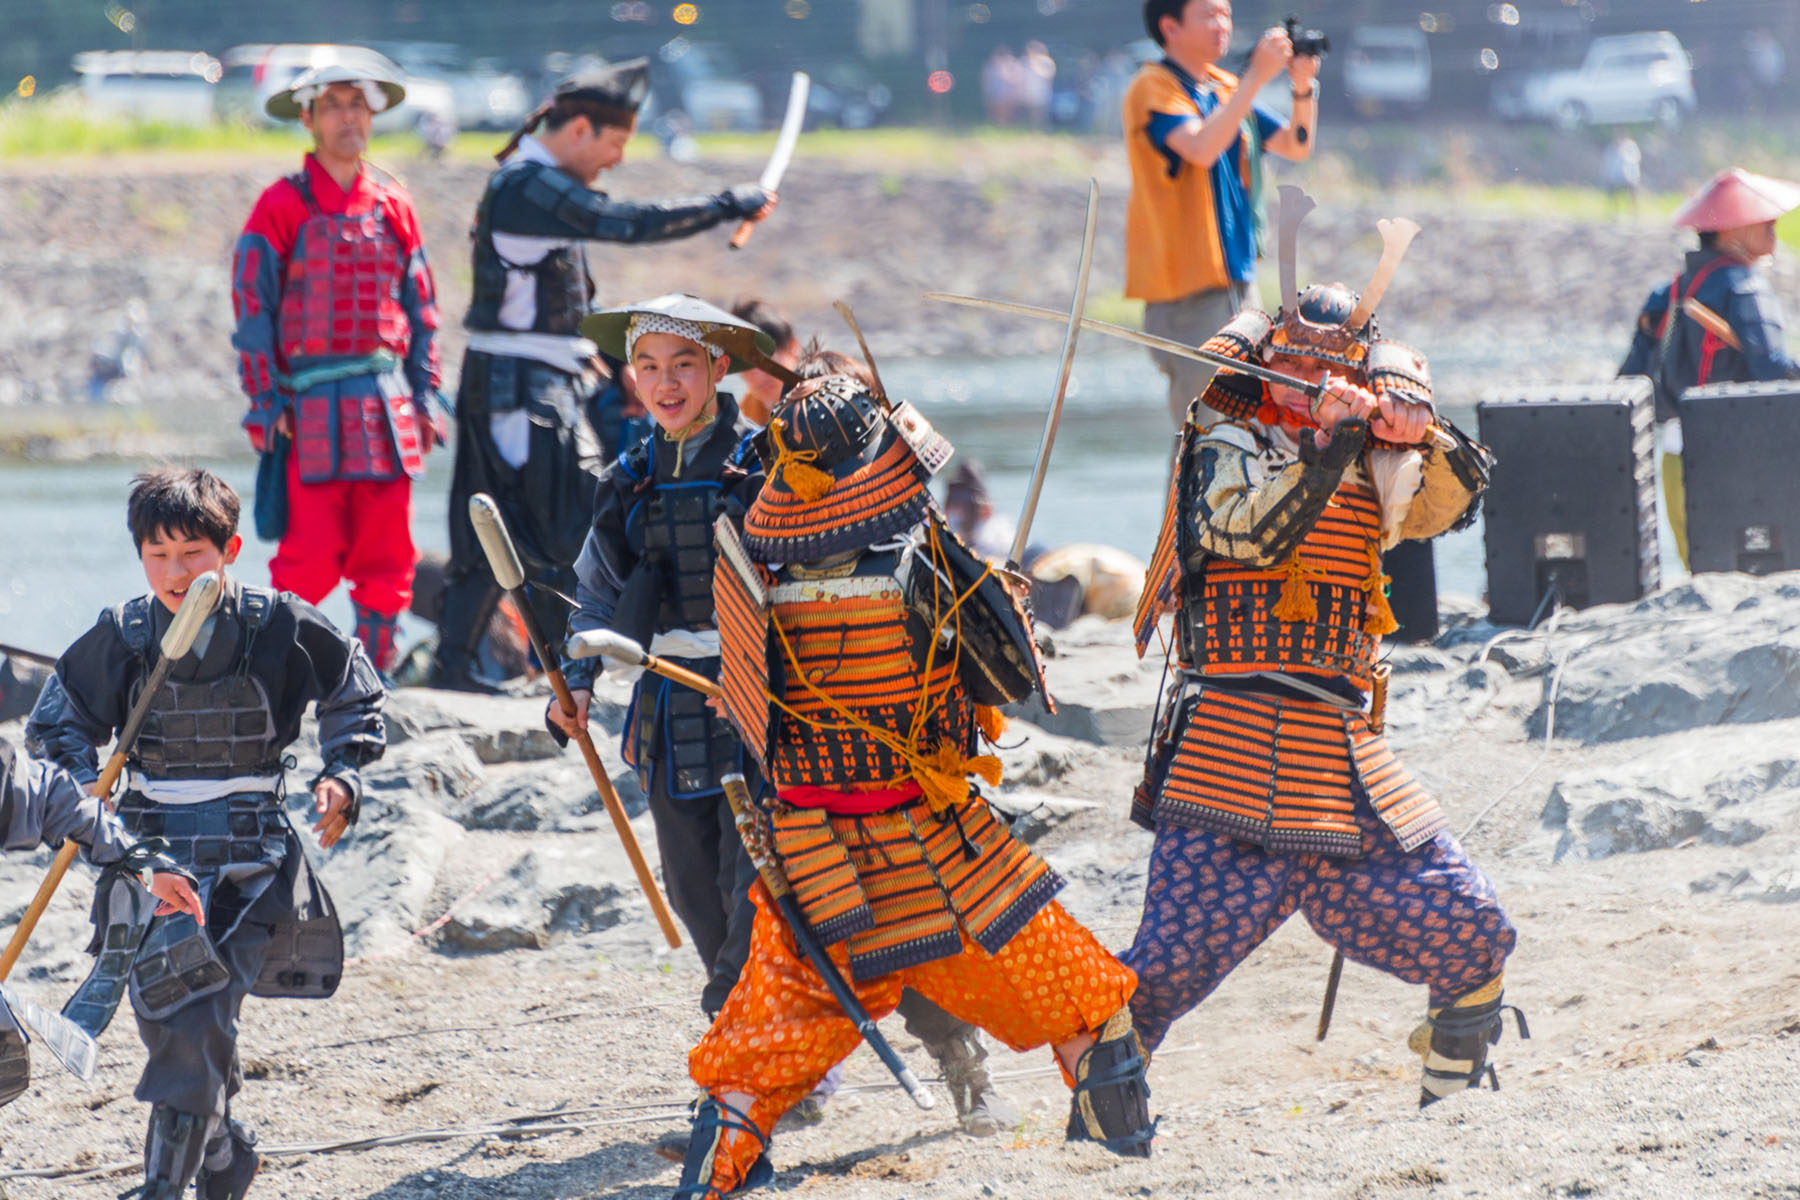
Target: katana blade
{"type": "Point", "coordinates": [1125, 333]}
{"type": "Point", "coordinates": [1223, 361]}
{"type": "Point", "coordinates": [1074, 319]}
{"type": "Point", "coordinates": [770, 180]}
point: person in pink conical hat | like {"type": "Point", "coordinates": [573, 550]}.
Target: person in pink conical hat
{"type": "Point", "coordinates": [1735, 215]}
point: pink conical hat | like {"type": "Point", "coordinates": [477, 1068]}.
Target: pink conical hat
{"type": "Point", "coordinates": [1734, 198]}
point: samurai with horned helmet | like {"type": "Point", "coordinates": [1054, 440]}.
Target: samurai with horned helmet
{"type": "Point", "coordinates": [1269, 786]}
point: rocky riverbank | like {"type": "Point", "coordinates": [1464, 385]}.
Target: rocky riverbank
{"type": "Point", "coordinates": [79, 242]}
{"type": "Point", "coordinates": [1627, 775]}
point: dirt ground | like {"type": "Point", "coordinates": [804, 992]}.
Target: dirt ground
{"type": "Point", "coordinates": [1664, 1059]}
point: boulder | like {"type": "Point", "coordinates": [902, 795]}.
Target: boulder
{"type": "Point", "coordinates": [553, 798]}
{"type": "Point", "coordinates": [383, 872]}
{"type": "Point", "coordinates": [500, 729]}
{"type": "Point", "coordinates": [1104, 693]}
{"type": "Point", "coordinates": [1719, 650]}
{"type": "Point", "coordinates": [1724, 787]}
{"type": "Point", "coordinates": [554, 889]}
{"type": "Point", "coordinates": [435, 770]}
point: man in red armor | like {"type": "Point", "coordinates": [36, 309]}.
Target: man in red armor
{"type": "Point", "coordinates": [336, 325]}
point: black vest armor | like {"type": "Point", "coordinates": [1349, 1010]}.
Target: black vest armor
{"type": "Point", "coordinates": [212, 729]}
{"type": "Point", "coordinates": [561, 277]}
{"type": "Point", "coordinates": [678, 535]}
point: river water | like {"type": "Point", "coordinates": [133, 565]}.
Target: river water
{"type": "Point", "coordinates": [69, 554]}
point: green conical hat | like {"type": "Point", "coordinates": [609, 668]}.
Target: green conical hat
{"type": "Point", "coordinates": [611, 329]}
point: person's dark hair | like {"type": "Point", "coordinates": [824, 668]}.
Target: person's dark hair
{"type": "Point", "coordinates": [1156, 10]}
{"type": "Point", "coordinates": [560, 110]}
{"type": "Point", "coordinates": [816, 362]}
{"type": "Point", "coordinates": [1709, 239]}
{"type": "Point", "coordinates": [765, 317]}
{"type": "Point", "coordinates": [181, 502]}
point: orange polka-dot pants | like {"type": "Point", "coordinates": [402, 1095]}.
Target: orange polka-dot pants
{"type": "Point", "coordinates": [781, 1031]}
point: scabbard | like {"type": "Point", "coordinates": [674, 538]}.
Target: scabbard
{"type": "Point", "coordinates": [737, 794]}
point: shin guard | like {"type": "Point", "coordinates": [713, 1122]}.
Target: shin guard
{"type": "Point", "coordinates": [378, 633]}
{"type": "Point", "coordinates": [1111, 1104]}
{"type": "Point", "coordinates": [1454, 1042]}
{"type": "Point", "coordinates": [172, 1151]}
{"type": "Point", "coordinates": [980, 1109]}
{"type": "Point", "coordinates": [231, 1162]}
{"type": "Point", "coordinates": [722, 1142]}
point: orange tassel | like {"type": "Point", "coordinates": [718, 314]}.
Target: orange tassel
{"type": "Point", "coordinates": [1296, 602]}
{"type": "Point", "coordinates": [944, 778]}
{"type": "Point", "coordinates": [795, 466]}
{"type": "Point", "coordinates": [1380, 619]}
{"type": "Point", "coordinates": [805, 481]}
{"type": "Point", "coordinates": [991, 721]}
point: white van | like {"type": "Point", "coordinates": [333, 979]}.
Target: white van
{"type": "Point", "coordinates": [1388, 67]}
{"type": "Point", "coordinates": [172, 86]}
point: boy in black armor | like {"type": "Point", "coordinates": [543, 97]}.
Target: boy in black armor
{"type": "Point", "coordinates": [206, 774]}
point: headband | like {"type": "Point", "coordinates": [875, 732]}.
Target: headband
{"type": "Point", "coordinates": [377, 99]}
{"type": "Point", "coordinates": [645, 322]}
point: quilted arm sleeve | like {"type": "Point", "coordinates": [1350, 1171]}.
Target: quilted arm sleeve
{"type": "Point", "coordinates": [1258, 524]}
{"type": "Point", "coordinates": [544, 202]}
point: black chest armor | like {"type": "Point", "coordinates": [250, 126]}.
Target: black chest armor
{"type": "Point", "coordinates": [206, 729]}
{"type": "Point", "coordinates": [561, 278]}
{"type": "Point", "coordinates": [671, 527]}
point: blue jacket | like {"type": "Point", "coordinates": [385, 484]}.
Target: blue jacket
{"type": "Point", "coordinates": [1686, 355]}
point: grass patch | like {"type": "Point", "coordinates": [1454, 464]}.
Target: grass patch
{"type": "Point", "coordinates": [1113, 306]}
{"type": "Point", "coordinates": [61, 128]}
{"type": "Point", "coordinates": [985, 150]}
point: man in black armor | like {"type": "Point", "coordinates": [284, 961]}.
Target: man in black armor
{"type": "Point", "coordinates": [206, 775]}
{"type": "Point", "coordinates": [523, 435]}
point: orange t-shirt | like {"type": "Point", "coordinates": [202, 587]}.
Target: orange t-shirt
{"type": "Point", "coordinates": [1187, 229]}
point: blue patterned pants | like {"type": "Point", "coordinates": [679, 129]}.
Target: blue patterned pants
{"type": "Point", "coordinates": [1428, 916]}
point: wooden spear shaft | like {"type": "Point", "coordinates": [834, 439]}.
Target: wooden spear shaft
{"type": "Point", "coordinates": [509, 574]}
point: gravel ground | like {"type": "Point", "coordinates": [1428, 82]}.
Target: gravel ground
{"type": "Point", "coordinates": [1664, 1008]}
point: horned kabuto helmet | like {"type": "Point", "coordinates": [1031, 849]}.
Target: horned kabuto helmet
{"type": "Point", "coordinates": [1326, 322]}
{"type": "Point", "coordinates": [849, 468]}
{"type": "Point", "coordinates": [1329, 322]}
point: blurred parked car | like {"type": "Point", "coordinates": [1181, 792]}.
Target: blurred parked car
{"type": "Point", "coordinates": [483, 96]}
{"type": "Point", "coordinates": [175, 86]}
{"type": "Point", "coordinates": [846, 95]}
{"type": "Point", "coordinates": [1628, 78]}
{"type": "Point", "coordinates": [253, 73]}
{"type": "Point", "coordinates": [1387, 67]}
{"type": "Point", "coordinates": [702, 80]}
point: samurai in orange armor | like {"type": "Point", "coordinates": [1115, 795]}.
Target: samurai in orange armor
{"type": "Point", "coordinates": [1267, 787]}
{"type": "Point", "coordinates": [863, 651]}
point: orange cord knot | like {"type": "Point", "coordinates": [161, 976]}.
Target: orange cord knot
{"type": "Point", "coordinates": [944, 777]}
{"type": "Point", "coordinates": [991, 721]}
{"type": "Point", "coordinates": [1296, 602]}
{"type": "Point", "coordinates": [795, 466]}
{"type": "Point", "coordinates": [1380, 618]}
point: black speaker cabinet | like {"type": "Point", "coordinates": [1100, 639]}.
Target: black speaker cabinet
{"type": "Point", "coordinates": [1739, 446]}
{"type": "Point", "coordinates": [1412, 594]}
{"type": "Point", "coordinates": [1572, 503]}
